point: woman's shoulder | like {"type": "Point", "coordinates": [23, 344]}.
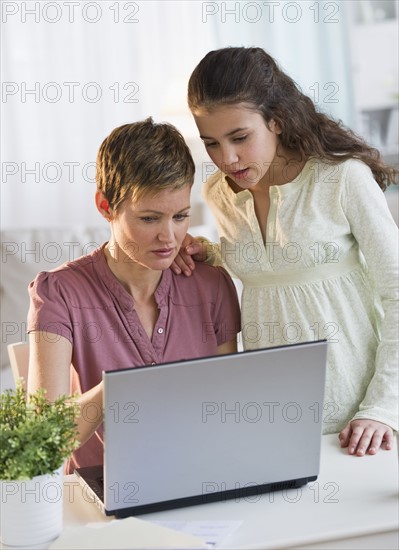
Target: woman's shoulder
{"type": "Point", "coordinates": [69, 274]}
{"type": "Point", "coordinates": [207, 271]}
{"type": "Point", "coordinates": [206, 274]}
{"type": "Point", "coordinates": [205, 280]}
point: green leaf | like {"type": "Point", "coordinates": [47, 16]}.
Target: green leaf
{"type": "Point", "coordinates": [36, 436]}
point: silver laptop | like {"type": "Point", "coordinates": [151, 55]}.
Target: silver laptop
{"type": "Point", "coordinates": [197, 431]}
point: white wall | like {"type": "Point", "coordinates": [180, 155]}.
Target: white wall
{"type": "Point", "coordinates": [73, 71]}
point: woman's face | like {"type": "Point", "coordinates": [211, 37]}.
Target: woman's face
{"type": "Point", "coordinates": [149, 231]}
{"type": "Point", "coordinates": [239, 143]}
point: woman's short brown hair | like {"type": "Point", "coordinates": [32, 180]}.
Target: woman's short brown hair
{"type": "Point", "coordinates": [142, 157]}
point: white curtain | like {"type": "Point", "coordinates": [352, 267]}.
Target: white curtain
{"type": "Point", "coordinates": [72, 71]}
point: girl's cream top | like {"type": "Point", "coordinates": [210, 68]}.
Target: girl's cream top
{"type": "Point", "coordinates": [328, 270]}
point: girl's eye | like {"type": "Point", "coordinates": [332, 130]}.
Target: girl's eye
{"type": "Point", "coordinates": [148, 219]}
{"type": "Point", "coordinates": [210, 144]}
{"type": "Point", "coordinates": [241, 138]}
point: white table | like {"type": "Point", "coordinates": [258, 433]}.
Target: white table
{"type": "Point", "coordinates": [353, 504]}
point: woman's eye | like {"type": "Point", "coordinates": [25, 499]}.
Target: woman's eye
{"type": "Point", "coordinates": [181, 217]}
{"type": "Point", "coordinates": [148, 219]}
{"type": "Point", "coordinates": [241, 138]}
{"type": "Point", "coordinates": [210, 144]}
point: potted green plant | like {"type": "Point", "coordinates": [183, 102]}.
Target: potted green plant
{"type": "Point", "coordinates": [36, 436]}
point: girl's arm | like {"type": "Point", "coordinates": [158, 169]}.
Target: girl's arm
{"type": "Point", "coordinates": [376, 233]}
{"type": "Point", "coordinates": [49, 367]}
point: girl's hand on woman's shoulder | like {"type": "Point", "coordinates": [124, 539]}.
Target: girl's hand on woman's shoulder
{"type": "Point", "coordinates": [365, 436]}
{"type": "Point", "coordinates": [192, 248]}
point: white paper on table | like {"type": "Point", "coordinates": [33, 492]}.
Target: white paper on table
{"type": "Point", "coordinates": [212, 532]}
{"type": "Point", "coordinates": [125, 534]}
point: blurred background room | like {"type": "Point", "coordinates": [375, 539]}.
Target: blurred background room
{"type": "Point", "coordinates": [72, 71]}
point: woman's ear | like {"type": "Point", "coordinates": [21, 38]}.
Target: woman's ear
{"type": "Point", "coordinates": [103, 205]}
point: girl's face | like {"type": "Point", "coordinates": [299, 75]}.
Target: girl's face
{"type": "Point", "coordinates": [240, 144]}
{"type": "Point", "coordinates": [149, 231]}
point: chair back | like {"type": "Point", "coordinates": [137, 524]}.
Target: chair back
{"type": "Point", "coordinates": [19, 360]}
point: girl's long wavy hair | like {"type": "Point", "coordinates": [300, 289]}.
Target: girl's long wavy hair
{"type": "Point", "coordinates": [249, 75]}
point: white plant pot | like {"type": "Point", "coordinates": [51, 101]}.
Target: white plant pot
{"type": "Point", "coordinates": [31, 510]}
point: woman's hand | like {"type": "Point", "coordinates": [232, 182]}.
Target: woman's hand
{"type": "Point", "coordinates": [364, 436]}
{"type": "Point", "coordinates": [191, 249]}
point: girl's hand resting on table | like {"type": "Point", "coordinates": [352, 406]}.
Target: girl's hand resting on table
{"type": "Point", "coordinates": [191, 249]}
{"type": "Point", "coordinates": [364, 436]}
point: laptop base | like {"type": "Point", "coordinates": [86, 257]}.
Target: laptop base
{"type": "Point", "coordinates": [91, 478]}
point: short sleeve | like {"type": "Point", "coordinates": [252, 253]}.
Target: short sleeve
{"type": "Point", "coordinates": [48, 310]}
